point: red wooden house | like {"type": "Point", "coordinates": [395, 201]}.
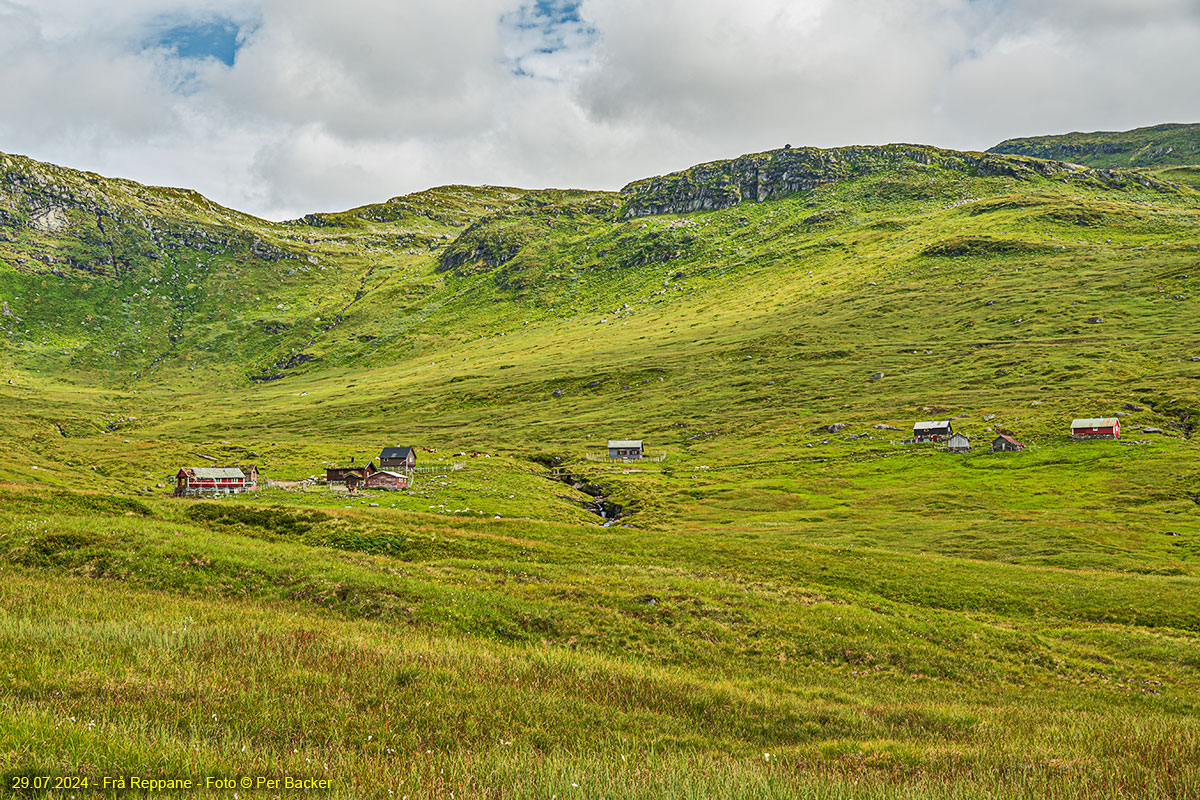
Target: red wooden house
{"type": "Point", "coordinates": [387, 480]}
{"type": "Point", "coordinates": [1096, 428]}
{"type": "Point", "coordinates": [196, 481]}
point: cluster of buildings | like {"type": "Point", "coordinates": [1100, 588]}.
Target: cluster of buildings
{"type": "Point", "coordinates": [396, 465]}
{"type": "Point", "coordinates": [938, 431]}
{"type": "Point", "coordinates": [395, 470]}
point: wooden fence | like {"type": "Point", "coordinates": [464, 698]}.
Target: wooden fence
{"type": "Point", "coordinates": [645, 457]}
{"type": "Point", "coordinates": [437, 469]}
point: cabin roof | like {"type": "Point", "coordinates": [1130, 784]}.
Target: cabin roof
{"type": "Point", "coordinates": [395, 452]}
{"type": "Point", "coordinates": [209, 473]}
{"type": "Point", "coordinates": [1009, 439]}
{"type": "Point", "coordinates": [626, 443]}
{"type": "Point", "coordinates": [388, 472]}
{"type": "Point", "coordinates": [931, 424]}
{"type": "Point", "coordinates": [1094, 422]}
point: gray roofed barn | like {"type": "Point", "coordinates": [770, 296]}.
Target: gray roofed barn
{"type": "Point", "coordinates": [625, 448]}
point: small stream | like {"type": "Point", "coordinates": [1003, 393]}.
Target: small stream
{"type": "Point", "coordinates": [600, 504]}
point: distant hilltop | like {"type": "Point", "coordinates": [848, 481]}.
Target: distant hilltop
{"type": "Point", "coordinates": [1158, 145]}
{"type": "Point", "coordinates": [775, 173]}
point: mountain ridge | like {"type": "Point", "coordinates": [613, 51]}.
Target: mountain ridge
{"type": "Point", "coordinates": [1169, 144]}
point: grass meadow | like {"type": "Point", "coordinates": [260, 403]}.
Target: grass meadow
{"type": "Point", "coordinates": [796, 602]}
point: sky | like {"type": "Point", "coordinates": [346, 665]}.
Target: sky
{"type": "Point", "coordinates": [285, 107]}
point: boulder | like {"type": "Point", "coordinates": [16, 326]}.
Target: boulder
{"type": "Point", "coordinates": [1094, 320]}
{"type": "Point", "coordinates": [877, 376]}
{"type": "Point", "coordinates": [884, 428]}
{"type": "Point", "coordinates": [557, 393]}
{"type": "Point", "coordinates": [591, 384]}
{"type": "Point", "coordinates": [1152, 430]}
{"type": "Point", "coordinates": [1133, 407]}
{"type": "Point", "coordinates": [836, 427]}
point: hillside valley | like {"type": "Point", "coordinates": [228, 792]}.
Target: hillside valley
{"type": "Point", "coordinates": [795, 601]}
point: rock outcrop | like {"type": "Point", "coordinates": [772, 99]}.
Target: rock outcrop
{"type": "Point", "coordinates": [776, 173]}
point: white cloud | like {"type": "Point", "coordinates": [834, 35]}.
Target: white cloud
{"type": "Point", "coordinates": [334, 105]}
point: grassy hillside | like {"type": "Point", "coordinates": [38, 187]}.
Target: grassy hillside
{"type": "Point", "coordinates": [795, 602]}
{"type": "Point", "coordinates": [1156, 146]}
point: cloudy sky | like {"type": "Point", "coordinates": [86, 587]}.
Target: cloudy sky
{"type": "Point", "coordinates": [281, 107]}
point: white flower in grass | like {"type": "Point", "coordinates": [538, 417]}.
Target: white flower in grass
{"type": "Point", "coordinates": [766, 756]}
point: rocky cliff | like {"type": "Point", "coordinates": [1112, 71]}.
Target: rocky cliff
{"type": "Point", "coordinates": [773, 174]}
{"type": "Point", "coordinates": [1158, 145]}
{"type": "Point", "coordinates": [55, 219]}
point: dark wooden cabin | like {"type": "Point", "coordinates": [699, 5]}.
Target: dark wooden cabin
{"type": "Point", "coordinates": [933, 431]}
{"type": "Point", "coordinates": [1006, 444]}
{"type": "Point", "coordinates": [398, 458]}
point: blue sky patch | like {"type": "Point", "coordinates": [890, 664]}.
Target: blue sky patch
{"type": "Point", "coordinates": [545, 28]}
{"type": "Point", "coordinates": [200, 39]}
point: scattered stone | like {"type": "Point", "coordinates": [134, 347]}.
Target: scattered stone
{"type": "Point", "coordinates": [1094, 320]}
{"type": "Point", "coordinates": [836, 427]}
{"type": "Point", "coordinates": [884, 428]}
{"type": "Point", "coordinates": [877, 376]}
{"type": "Point", "coordinates": [988, 417]}
{"type": "Point", "coordinates": [374, 505]}
{"type": "Point", "coordinates": [1170, 533]}
{"type": "Point", "coordinates": [591, 384]}
{"type": "Point", "coordinates": [1195, 358]}
{"type": "Point", "coordinates": [1133, 407]}
{"type": "Point", "coordinates": [206, 458]}
{"type": "Point", "coordinates": [557, 393]}
{"type": "Point", "coordinates": [1152, 430]}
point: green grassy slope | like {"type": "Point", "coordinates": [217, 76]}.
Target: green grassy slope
{"type": "Point", "coordinates": [1155, 146]}
{"type": "Point", "coordinates": [883, 619]}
